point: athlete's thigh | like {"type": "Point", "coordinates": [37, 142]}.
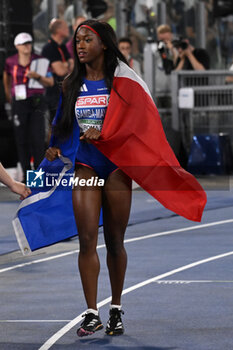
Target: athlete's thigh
{"type": "Point", "coordinates": [116, 203]}
{"type": "Point", "coordinates": [86, 201]}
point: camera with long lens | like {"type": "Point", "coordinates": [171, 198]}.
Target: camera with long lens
{"type": "Point", "coordinates": [161, 46]}
{"type": "Point", "coordinates": [168, 65]}
{"type": "Point", "coordinates": [180, 43]}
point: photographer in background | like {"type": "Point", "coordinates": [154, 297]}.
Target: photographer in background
{"type": "Point", "coordinates": [165, 59]}
{"type": "Point", "coordinates": [166, 49]}
{"type": "Point", "coordinates": [190, 58]}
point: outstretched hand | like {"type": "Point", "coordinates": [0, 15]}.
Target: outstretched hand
{"type": "Point", "coordinates": [21, 189]}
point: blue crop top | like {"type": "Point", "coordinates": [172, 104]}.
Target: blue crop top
{"type": "Point", "coordinates": [91, 105]}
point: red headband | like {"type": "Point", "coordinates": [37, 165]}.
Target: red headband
{"type": "Point", "coordinates": [93, 30]}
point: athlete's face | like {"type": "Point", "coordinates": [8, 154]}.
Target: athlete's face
{"type": "Point", "coordinates": [89, 46]}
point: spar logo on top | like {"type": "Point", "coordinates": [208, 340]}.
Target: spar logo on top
{"type": "Point", "coordinates": [98, 101]}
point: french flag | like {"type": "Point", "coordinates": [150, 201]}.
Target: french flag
{"type": "Point", "coordinates": [132, 137]}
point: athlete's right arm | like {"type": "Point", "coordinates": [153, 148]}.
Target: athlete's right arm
{"type": "Point", "coordinates": [52, 153]}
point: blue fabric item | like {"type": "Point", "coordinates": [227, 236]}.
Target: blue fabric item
{"type": "Point", "coordinates": [42, 219]}
{"type": "Point", "coordinates": [89, 155]}
{"type": "Point", "coordinates": [90, 110]}
{"type": "Point", "coordinates": [210, 154]}
{"type": "Point", "coordinates": [56, 219]}
{"type": "Point", "coordinates": [91, 104]}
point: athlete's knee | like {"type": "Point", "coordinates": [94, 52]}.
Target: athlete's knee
{"type": "Point", "coordinates": [87, 243]}
{"type": "Point", "coordinates": [115, 247]}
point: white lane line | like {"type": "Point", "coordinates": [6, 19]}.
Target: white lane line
{"type": "Point", "coordinates": [188, 282]}
{"type": "Point", "coordinates": [166, 282]}
{"type": "Point", "coordinates": [33, 321]}
{"type": "Point", "coordinates": [62, 255]}
{"type": "Point", "coordinates": [37, 261]}
{"type": "Point", "coordinates": [52, 340]}
{"type": "Point", "coordinates": [197, 227]}
{"type": "Point", "coordinates": [190, 228]}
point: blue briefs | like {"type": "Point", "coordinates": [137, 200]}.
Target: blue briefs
{"type": "Point", "coordinates": [88, 155]}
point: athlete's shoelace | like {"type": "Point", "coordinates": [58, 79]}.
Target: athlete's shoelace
{"type": "Point", "coordinates": [89, 320]}
{"type": "Point", "coordinates": [115, 317]}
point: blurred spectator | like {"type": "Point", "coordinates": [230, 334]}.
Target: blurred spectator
{"type": "Point", "coordinates": [212, 36]}
{"type": "Point", "coordinates": [190, 21]}
{"type": "Point", "coordinates": [211, 30]}
{"type": "Point", "coordinates": [191, 58]}
{"type": "Point", "coordinates": [125, 46]}
{"type": "Point", "coordinates": [109, 14]}
{"type": "Point", "coordinates": [61, 62]}
{"type": "Point", "coordinates": [28, 104]}
{"type": "Point", "coordinates": [36, 8]}
{"type": "Point", "coordinates": [69, 44]}
{"type": "Point", "coordinates": [69, 13]}
{"type": "Point", "coordinates": [176, 14]}
{"type": "Point", "coordinates": [226, 30]}
{"type": "Point", "coordinates": [61, 7]}
{"type": "Point", "coordinates": [141, 16]}
{"type": "Point", "coordinates": [138, 42]}
{"type": "Point", "coordinates": [40, 13]}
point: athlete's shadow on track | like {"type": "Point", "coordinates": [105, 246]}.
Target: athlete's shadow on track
{"type": "Point", "coordinates": [129, 343]}
{"type": "Point", "coordinates": [105, 343]}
